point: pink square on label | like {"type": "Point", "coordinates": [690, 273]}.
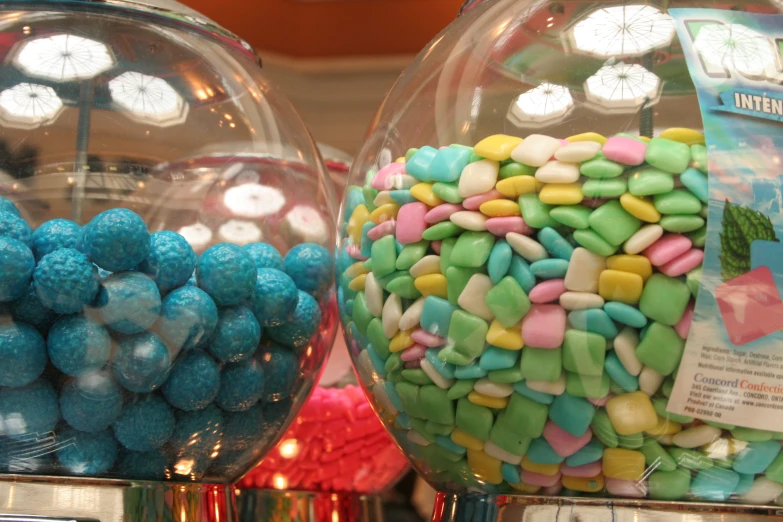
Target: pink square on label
{"type": "Point", "coordinates": [624, 150]}
{"type": "Point", "coordinates": [750, 306]}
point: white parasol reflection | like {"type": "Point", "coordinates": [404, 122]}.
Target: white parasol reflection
{"type": "Point", "coordinates": [29, 105]}
{"type": "Point", "coordinates": [148, 99]}
{"type": "Point", "coordinates": [546, 103]}
{"type": "Point", "coordinates": [623, 87]}
{"type": "Point", "coordinates": [64, 57]}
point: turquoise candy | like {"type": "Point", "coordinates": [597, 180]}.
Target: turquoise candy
{"type": "Point", "coordinates": [696, 181]}
{"type": "Point", "coordinates": [436, 315]}
{"type": "Point", "coordinates": [573, 414]}
{"type": "Point", "coordinates": [366, 246]}
{"type": "Point", "coordinates": [510, 473]}
{"type": "Point", "coordinates": [744, 485]}
{"type": "Point", "coordinates": [550, 268]}
{"type": "Point", "coordinates": [401, 197]}
{"type": "Point", "coordinates": [522, 274]}
{"type": "Point", "coordinates": [540, 452]}
{"type": "Point", "coordinates": [390, 390]}
{"type": "Point", "coordinates": [403, 421]}
{"type": "Point", "coordinates": [715, 484]}
{"type": "Point", "coordinates": [555, 244]}
{"type": "Point", "coordinates": [446, 443]}
{"type": "Point", "coordinates": [592, 452]}
{"type": "Point", "coordinates": [499, 261]}
{"type": "Point", "coordinates": [447, 164]}
{"type": "Point", "coordinates": [443, 368]}
{"type": "Point", "coordinates": [353, 199]}
{"type": "Point", "coordinates": [756, 457]}
{"type": "Point", "coordinates": [625, 314]}
{"type": "Point", "coordinates": [495, 358]}
{"type": "Point", "coordinates": [377, 361]}
{"type": "Point", "coordinates": [418, 165]}
{"type": "Point", "coordinates": [470, 371]}
{"type": "Point", "coordinates": [593, 320]}
{"type": "Point", "coordinates": [543, 398]}
{"type": "Point", "coordinates": [617, 372]}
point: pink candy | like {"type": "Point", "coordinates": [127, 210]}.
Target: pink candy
{"type": "Point", "coordinates": [602, 401]}
{"type": "Point", "coordinates": [683, 326]}
{"type": "Point", "coordinates": [435, 245]}
{"type": "Point", "coordinates": [563, 442]}
{"type": "Point", "coordinates": [544, 326]}
{"type": "Point", "coordinates": [586, 470]}
{"type": "Point", "coordinates": [623, 150]}
{"type": "Point", "coordinates": [626, 488]}
{"type": "Point", "coordinates": [355, 252]}
{"type": "Point", "coordinates": [539, 479]}
{"type": "Point", "coordinates": [474, 202]}
{"type": "Point", "coordinates": [684, 263]}
{"type": "Point", "coordinates": [413, 353]}
{"type": "Point", "coordinates": [500, 226]}
{"type": "Point", "coordinates": [667, 248]}
{"type": "Point", "coordinates": [384, 229]}
{"type": "Point", "coordinates": [411, 224]}
{"type": "Point", "coordinates": [441, 213]}
{"type": "Point", "coordinates": [547, 291]}
{"type": "Point", "coordinates": [383, 178]}
{"type": "Point", "coordinates": [430, 340]}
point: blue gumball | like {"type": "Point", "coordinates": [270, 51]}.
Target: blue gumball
{"type": "Point", "coordinates": [13, 226]}
{"type": "Point", "coordinates": [243, 428]}
{"type": "Point", "coordinates": [6, 205]}
{"type": "Point", "coordinates": [241, 385]}
{"type": "Point", "coordinates": [129, 302]}
{"type": "Point", "coordinates": [78, 345]}
{"type": "Point", "coordinates": [236, 336]}
{"type": "Point", "coordinates": [85, 453]}
{"type": "Point", "coordinates": [142, 465]}
{"type": "Point", "coordinates": [274, 297]}
{"type": "Point", "coordinates": [16, 268]}
{"type": "Point", "coordinates": [116, 240]}
{"type": "Point", "coordinates": [54, 235]}
{"type": "Point", "coordinates": [188, 318]}
{"type": "Point", "coordinates": [66, 281]}
{"type": "Point", "coordinates": [22, 354]}
{"type": "Point", "coordinates": [197, 431]}
{"type": "Point", "coordinates": [281, 368]}
{"type": "Point", "coordinates": [170, 262]}
{"type": "Point", "coordinates": [265, 256]}
{"type": "Point", "coordinates": [310, 266]}
{"type": "Point", "coordinates": [227, 273]}
{"type": "Point", "coordinates": [91, 402]}
{"type": "Point", "coordinates": [194, 381]}
{"type": "Point", "coordinates": [29, 309]}
{"type": "Point", "coordinates": [300, 328]}
{"type": "Point", "coordinates": [145, 425]}
{"type": "Point", "coordinates": [28, 412]}
{"type": "Point", "coordinates": [141, 362]}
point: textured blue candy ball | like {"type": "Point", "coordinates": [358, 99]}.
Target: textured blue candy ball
{"type": "Point", "coordinates": [54, 235]}
{"type": "Point", "coordinates": [78, 345]}
{"type": "Point", "coordinates": [170, 262]}
{"type": "Point", "coordinates": [265, 256]}
{"type": "Point", "coordinates": [236, 336]}
{"type": "Point", "coordinates": [281, 368]}
{"type": "Point", "coordinates": [194, 381]}
{"type": "Point", "coordinates": [243, 428]}
{"type": "Point", "coordinates": [199, 431]}
{"type": "Point", "coordinates": [13, 226]}
{"type": "Point", "coordinates": [6, 205]}
{"type": "Point", "coordinates": [227, 273]}
{"type": "Point", "coordinates": [276, 414]}
{"type": "Point", "coordinates": [116, 240]}
{"type": "Point", "coordinates": [241, 385]}
{"type": "Point", "coordinates": [188, 318]}
{"type": "Point", "coordinates": [16, 268]}
{"type": "Point", "coordinates": [129, 302]}
{"type": "Point", "coordinates": [30, 309]}
{"type": "Point", "coordinates": [142, 465]}
{"type": "Point", "coordinates": [66, 281]}
{"type": "Point", "coordinates": [300, 327]}
{"type": "Point", "coordinates": [22, 354]}
{"type": "Point", "coordinates": [274, 298]}
{"type": "Point", "coordinates": [91, 402]}
{"type": "Point", "coordinates": [85, 453]}
{"type": "Point", "coordinates": [146, 424]}
{"type": "Point", "coordinates": [141, 362]}
{"type": "Point", "coordinates": [311, 268]}
{"type": "Point", "coordinates": [28, 412]}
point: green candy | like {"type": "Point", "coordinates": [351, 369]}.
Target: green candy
{"type": "Point", "coordinates": [594, 243]}
{"type": "Point", "coordinates": [584, 352]}
{"type": "Point", "coordinates": [775, 470]}
{"type": "Point", "coordinates": [681, 224]}
{"type": "Point", "coordinates": [438, 231]}
{"type": "Point", "coordinates": [669, 485]}
{"type": "Point", "coordinates": [604, 188]}
{"type": "Point", "coordinates": [664, 299]}
{"type": "Point", "coordinates": [668, 155]}
{"type": "Point", "coordinates": [507, 302]}
{"type": "Point", "coordinates": [384, 256]}
{"type": "Point", "coordinates": [416, 376]}
{"type": "Point", "coordinates": [525, 416]}
{"type": "Point", "coordinates": [473, 419]}
{"type": "Point", "coordinates": [667, 387]}
{"type": "Point", "coordinates": [698, 237]}
{"type": "Point", "coordinates": [411, 254]}
{"type": "Point", "coordinates": [403, 286]}
{"type": "Point", "coordinates": [613, 223]}
{"type": "Point", "coordinates": [633, 441]}
{"type": "Point", "coordinates": [649, 182]}
{"type": "Point", "coordinates": [574, 216]}
{"type": "Point", "coordinates": [513, 169]}
{"type": "Point", "coordinates": [678, 201]}
{"type": "Point", "coordinates": [603, 429]}
{"type": "Point", "coordinates": [448, 192]}
{"type": "Point", "coordinates": [534, 212]}
{"type": "Point", "coordinates": [409, 396]}
{"type": "Point", "coordinates": [586, 386]}
{"type": "Point", "coordinates": [437, 428]}
{"type": "Point", "coordinates": [655, 455]}
{"type": "Point", "coordinates": [720, 425]}
{"type": "Point", "coordinates": [446, 247]}
{"type": "Point", "coordinates": [467, 333]}
{"type": "Point", "coordinates": [457, 279]}
{"type": "Point", "coordinates": [542, 364]}
{"type": "Point", "coordinates": [410, 154]}
{"type": "Point", "coordinates": [660, 405]}
{"type": "Point", "coordinates": [693, 280]}
{"type": "Point", "coordinates": [661, 348]}
{"type": "Point", "coordinates": [395, 376]}
{"type": "Point", "coordinates": [751, 435]}
{"type": "Point", "coordinates": [369, 194]}
{"type": "Point", "coordinates": [460, 388]}
{"type": "Point", "coordinates": [601, 168]}
{"type": "Point", "coordinates": [699, 157]}
{"type": "Point", "coordinates": [436, 404]}
{"type": "Point", "coordinates": [472, 249]}
{"type": "Point", "coordinates": [378, 340]}
{"type": "Point", "coordinates": [393, 363]}
{"type": "Point", "coordinates": [690, 459]}
{"type": "Point", "coordinates": [450, 355]}
{"type": "Point", "coordinates": [361, 314]}
{"type": "Point", "coordinates": [508, 439]}
{"type": "Point", "coordinates": [474, 157]}
{"type": "Point", "coordinates": [420, 427]}
{"type": "Point", "coordinates": [506, 376]}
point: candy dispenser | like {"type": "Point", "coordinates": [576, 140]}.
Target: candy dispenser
{"type": "Point", "coordinates": [166, 262]}
{"type": "Point", "coordinates": [542, 197]}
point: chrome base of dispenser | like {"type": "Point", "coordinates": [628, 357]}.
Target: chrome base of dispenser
{"type": "Point", "coordinates": [54, 499]}
{"type": "Point", "coordinates": [262, 505]}
{"type": "Point", "coordinates": [474, 507]}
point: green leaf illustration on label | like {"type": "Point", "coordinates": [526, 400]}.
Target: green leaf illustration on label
{"type": "Point", "coordinates": [741, 226]}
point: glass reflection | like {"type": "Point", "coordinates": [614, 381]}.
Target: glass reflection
{"type": "Point", "coordinates": [29, 105]}
{"type": "Point", "coordinates": [64, 57]}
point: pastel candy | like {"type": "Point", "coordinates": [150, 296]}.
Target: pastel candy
{"type": "Point", "coordinates": [578, 152]}
{"type": "Point", "coordinates": [475, 201]}
{"type": "Point", "coordinates": [441, 212]}
{"type": "Point", "coordinates": [544, 326]}
{"type": "Point", "coordinates": [562, 442]}
{"type": "Point", "coordinates": [547, 291]}
{"type": "Point", "coordinates": [585, 470]}
{"type": "Point", "coordinates": [627, 151]}
{"type": "Point", "coordinates": [382, 179]}
{"type": "Point", "coordinates": [538, 479]}
{"type": "Point", "coordinates": [667, 248]}
{"type": "Point", "coordinates": [626, 488]}
{"type": "Point", "coordinates": [411, 223]}
{"type": "Point", "coordinates": [478, 178]}
{"type": "Point", "coordinates": [535, 150]}
{"type": "Point", "coordinates": [500, 226]}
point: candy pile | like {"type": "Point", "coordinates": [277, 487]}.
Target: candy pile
{"type": "Point", "coordinates": [124, 354]}
{"type": "Point", "coordinates": [520, 309]}
{"type": "Point", "coordinates": [336, 444]}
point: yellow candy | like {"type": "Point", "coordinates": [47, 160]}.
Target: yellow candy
{"type": "Point", "coordinates": [640, 208]}
{"type": "Point", "coordinates": [517, 186]}
{"type": "Point", "coordinates": [497, 147]}
{"type": "Point", "coordinates": [561, 194]}
{"type": "Point", "coordinates": [585, 484]}
{"type": "Point", "coordinates": [722, 448]}
{"type": "Point", "coordinates": [665, 427]}
{"type": "Point", "coordinates": [525, 488]}
{"type": "Point", "coordinates": [631, 263]}
{"type": "Point", "coordinates": [423, 192]}
{"type": "Point", "coordinates": [401, 341]}
{"type": "Point", "coordinates": [623, 464]}
{"type": "Point", "coordinates": [500, 208]}
{"type": "Point", "coordinates": [587, 136]}
{"type": "Point", "coordinates": [687, 136]}
{"type": "Point", "coordinates": [432, 284]}
{"type": "Point", "coordinates": [625, 287]}
{"type": "Point", "coordinates": [631, 413]}
{"type": "Point", "coordinates": [356, 269]}
{"type": "Point", "coordinates": [357, 220]}
{"type": "Point", "coordinates": [508, 338]}
{"type": "Point", "coordinates": [384, 213]}
{"type": "Point", "coordinates": [401, 159]}
{"type": "Point", "coordinates": [357, 283]}
{"type": "Point", "coordinates": [466, 441]}
{"type": "Point", "coordinates": [544, 469]}
{"type": "Point", "coordinates": [484, 467]}
{"type": "Point", "coordinates": [490, 402]}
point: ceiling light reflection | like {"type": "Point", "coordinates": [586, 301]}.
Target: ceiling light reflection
{"type": "Point", "coordinates": [546, 103]}
{"type": "Point", "coordinates": [64, 57]}
{"type": "Point", "coordinates": [623, 87]}
{"type": "Point", "coordinates": [628, 30]}
{"type": "Point", "coordinates": [28, 105]}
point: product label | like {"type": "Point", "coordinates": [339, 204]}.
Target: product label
{"type": "Point", "coordinates": [732, 368]}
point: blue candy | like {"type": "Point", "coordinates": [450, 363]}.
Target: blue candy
{"type": "Point", "coordinates": [145, 425]}
{"type": "Point", "coordinates": [14, 227]}
{"type": "Point", "coordinates": [236, 336]}
{"type": "Point", "coordinates": [198, 431]}
{"type": "Point", "coordinates": [92, 402]}
{"type": "Point", "coordinates": [22, 354]}
{"type": "Point", "coordinates": [16, 268]}
{"type": "Point", "coordinates": [6, 205]}
{"type": "Point", "coordinates": [540, 452]}
{"type": "Point", "coordinates": [756, 457]}
{"type": "Point", "coordinates": [436, 315]}
{"type": "Point", "coordinates": [142, 465]}
{"type": "Point", "coordinates": [555, 244]}
{"type": "Point", "coordinates": [78, 346]}
{"type": "Point", "coordinates": [170, 262]}
{"type": "Point", "coordinates": [34, 410]}
{"type": "Point", "coordinates": [543, 398]}
{"type": "Point", "coordinates": [510, 473]}
{"type": "Point", "coordinates": [54, 235]}
{"type": "Point", "coordinates": [470, 371]}
{"type": "Point", "coordinates": [241, 385]}
{"type": "Point", "coordinates": [550, 268]}
{"type": "Point", "coordinates": [593, 320]}
{"type": "Point", "coordinates": [522, 274]}
{"type": "Point", "coordinates": [66, 281]}
{"type": "Point", "coordinates": [499, 261]}
{"type": "Point", "coordinates": [129, 302]}
{"type": "Point", "coordinates": [446, 165]}
{"type": "Point", "coordinates": [141, 362]}
{"type": "Point", "coordinates": [265, 256]}
{"type": "Point", "coordinates": [617, 372]}
{"type": "Point", "coordinates": [591, 452]}
{"type": "Point", "coordinates": [377, 361]}
{"type": "Point", "coordinates": [300, 328]}
{"type": "Point", "coordinates": [418, 165]}
{"type": "Point", "coordinates": [572, 414]}
{"type": "Point", "coordinates": [625, 314]}
{"type": "Point", "coordinates": [401, 197]}
{"type": "Point", "coordinates": [446, 443]}
{"type": "Point", "coordinates": [227, 273]}
{"type": "Point", "coordinates": [193, 382]}
{"type": "Point", "coordinates": [280, 369]}
{"type": "Point", "coordinates": [715, 484]}
{"type": "Point", "coordinates": [87, 453]}
{"type": "Point", "coordinates": [29, 309]}
{"type": "Point", "coordinates": [243, 428]}
{"type": "Point", "coordinates": [445, 369]}
{"type": "Point", "coordinates": [696, 181]}
{"type": "Point", "coordinates": [116, 240]}
{"type": "Point", "coordinates": [495, 358]}
{"type": "Point", "coordinates": [366, 244]}
{"type": "Point", "coordinates": [274, 298]}
{"type": "Point", "coordinates": [188, 317]}
{"type": "Point", "coordinates": [311, 268]}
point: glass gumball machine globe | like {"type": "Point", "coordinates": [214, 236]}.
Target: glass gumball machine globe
{"type": "Point", "coordinates": [521, 247]}
{"type": "Point", "coordinates": [167, 234]}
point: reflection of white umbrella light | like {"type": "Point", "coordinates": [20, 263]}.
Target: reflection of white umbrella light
{"type": "Point", "coordinates": [240, 232]}
{"type": "Point", "coordinates": [306, 223]}
{"type": "Point", "coordinates": [734, 47]}
{"type": "Point", "coordinates": [623, 87]}
{"type": "Point", "coordinates": [27, 106]}
{"type": "Point", "coordinates": [64, 57]}
{"type": "Point", "coordinates": [254, 201]}
{"type": "Point", "coordinates": [628, 30]}
{"type": "Point", "coordinates": [547, 102]}
{"type": "Point", "coordinates": [148, 99]}
{"type": "Point", "coordinates": [198, 235]}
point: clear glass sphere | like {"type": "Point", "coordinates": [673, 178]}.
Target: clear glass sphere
{"type": "Point", "coordinates": [478, 297]}
{"type": "Point", "coordinates": [167, 235]}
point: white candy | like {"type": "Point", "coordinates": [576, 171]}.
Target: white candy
{"type": "Point", "coordinates": [390, 316]}
{"type": "Point", "coordinates": [526, 247]}
{"type": "Point", "coordinates": [499, 453]}
{"type": "Point", "coordinates": [412, 316]}
{"type": "Point", "coordinates": [493, 389]}
{"type": "Point", "coordinates": [415, 438]}
{"type": "Point", "coordinates": [403, 181]}
{"type": "Point", "coordinates": [625, 348]}
{"type": "Point", "coordinates": [696, 436]}
{"type": "Point", "coordinates": [383, 198]}
{"type": "Point", "coordinates": [535, 150]}
{"type": "Point", "coordinates": [580, 300]}
{"type": "Point", "coordinates": [478, 177]}
{"type": "Point", "coordinates": [425, 266]}
{"type": "Point", "coordinates": [650, 381]}
{"type": "Point", "coordinates": [472, 297]}
{"type": "Point", "coordinates": [762, 491]}
{"type": "Point", "coordinates": [578, 152]}
{"type": "Point", "coordinates": [558, 172]}
{"type": "Point", "coordinates": [644, 237]}
{"type": "Point", "coordinates": [383, 400]}
{"type": "Point", "coordinates": [373, 293]}
{"type": "Point", "coordinates": [439, 380]}
{"type": "Point", "coordinates": [551, 387]}
{"type": "Point", "coordinates": [584, 269]}
{"type": "Point", "coordinates": [470, 220]}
